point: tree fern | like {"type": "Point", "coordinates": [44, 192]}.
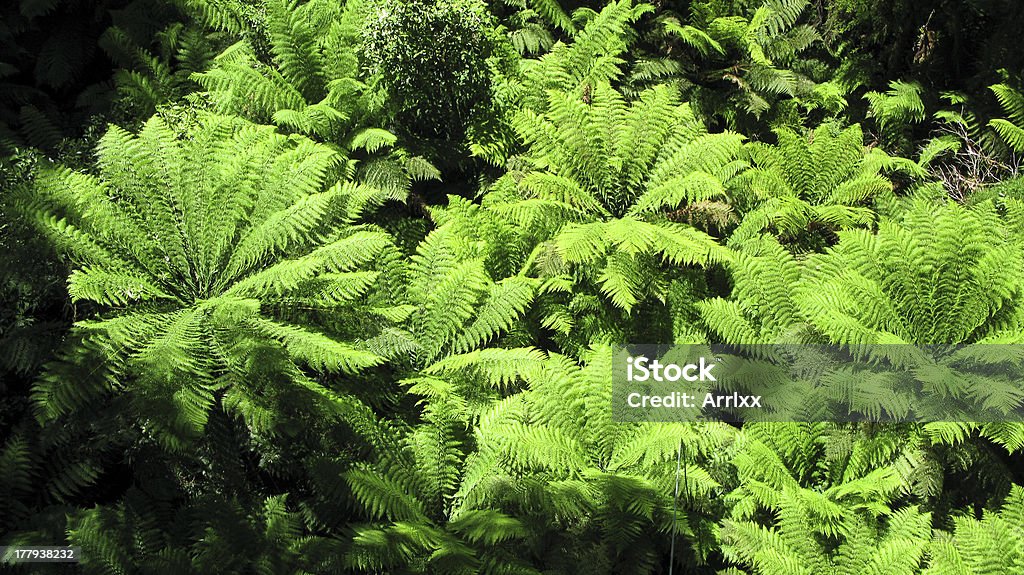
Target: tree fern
{"type": "Point", "coordinates": [1010, 128]}
{"type": "Point", "coordinates": [191, 260]}
{"type": "Point", "coordinates": [152, 75]}
{"type": "Point", "coordinates": [825, 178]}
{"type": "Point", "coordinates": [743, 67]}
{"type": "Point", "coordinates": [408, 492]}
{"type": "Point", "coordinates": [553, 453]}
{"type": "Point", "coordinates": [574, 66]}
{"type": "Point", "coordinates": [599, 177]}
{"type": "Point", "coordinates": [896, 110]}
{"type": "Point", "coordinates": [839, 521]}
{"type": "Point", "coordinates": [312, 86]}
{"type": "Point", "coordinates": [885, 297]}
{"type": "Point", "coordinates": [989, 544]}
{"type": "Point", "coordinates": [591, 59]}
{"type": "Point", "coordinates": [762, 308]}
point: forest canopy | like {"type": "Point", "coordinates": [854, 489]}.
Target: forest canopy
{"type": "Point", "coordinates": [335, 286]}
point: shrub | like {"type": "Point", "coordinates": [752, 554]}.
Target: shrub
{"type": "Point", "coordinates": [430, 56]}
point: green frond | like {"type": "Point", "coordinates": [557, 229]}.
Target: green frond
{"type": "Point", "coordinates": [228, 15]}
{"type": "Point", "coordinates": [111, 288]}
{"type": "Point", "coordinates": [882, 296]}
{"type": "Point", "coordinates": [1011, 133]}
{"type": "Point", "coordinates": [488, 526]}
{"type": "Point", "coordinates": [497, 367]}
{"type": "Point", "coordinates": [552, 11]}
{"type": "Point", "coordinates": [504, 303]}
{"type": "Point", "coordinates": [1011, 100]}
{"type": "Point", "coordinates": [317, 350]}
{"type": "Point", "coordinates": [619, 280]}
{"type": "Point", "coordinates": [295, 224]}
{"type": "Point", "coordinates": [381, 497]}
{"type": "Point", "coordinates": [372, 139]}
{"type": "Point", "coordinates": [295, 49]}
{"type": "Point", "coordinates": [450, 303]}
{"type": "Point", "coordinates": [988, 544]}
{"type": "Point", "coordinates": [694, 37]}
{"type": "Point", "coordinates": [898, 107]}
{"type": "Point", "coordinates": [692, 188]}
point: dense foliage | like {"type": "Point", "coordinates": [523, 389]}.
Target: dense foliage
{"type": "Point", "coordinates": [324, 286]}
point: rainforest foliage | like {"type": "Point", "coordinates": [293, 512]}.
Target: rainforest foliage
{"type": "Point", "coordinates": [330, 286]}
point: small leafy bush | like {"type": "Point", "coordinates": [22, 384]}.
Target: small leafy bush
{"type": "Point", "coordinates": [431, 57]}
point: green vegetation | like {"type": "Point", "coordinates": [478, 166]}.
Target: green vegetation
{"type": "Point", "coordinates": [325, 286]}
